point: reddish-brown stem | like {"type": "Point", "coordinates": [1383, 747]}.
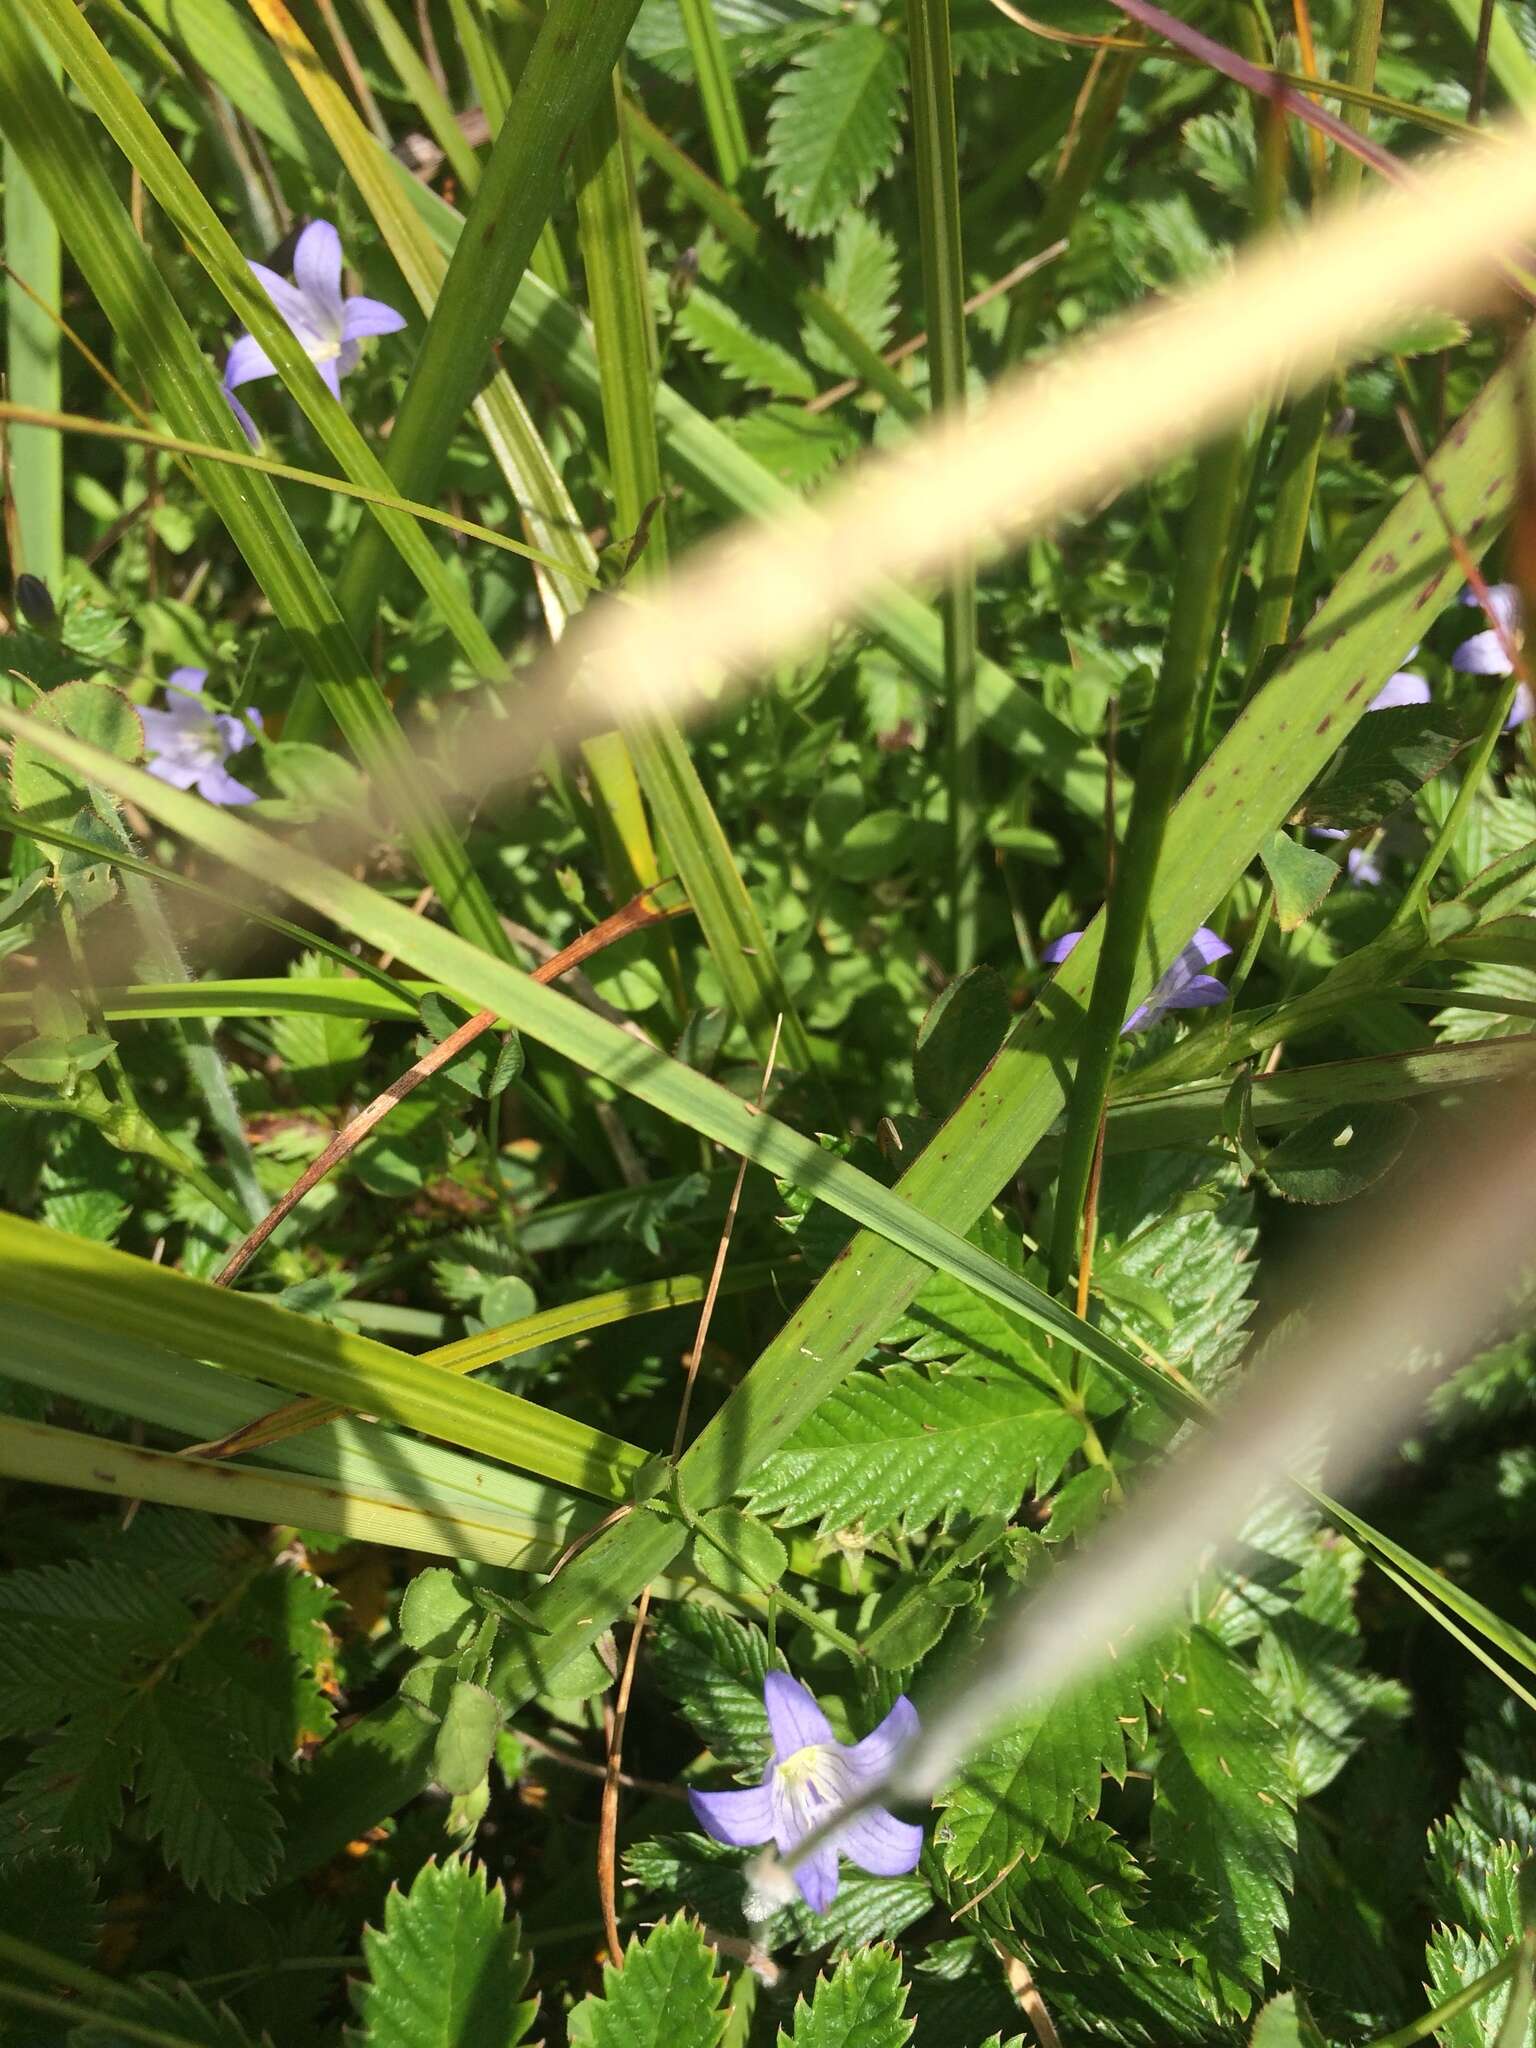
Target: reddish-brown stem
{"type": "Point", "coordinates": [634, 916]}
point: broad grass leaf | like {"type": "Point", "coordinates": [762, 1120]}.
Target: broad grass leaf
{"type": "Point", "coordinates": [447, 1969]}
{"type": "Point", "coordinates": [835, 125]}
{"type": "Point", "coordinates": [1223, 1813]}
{"type": "Point", "coordinates": [863, 2004]}
{"type": "Point", "coordinates": [667, 1995]}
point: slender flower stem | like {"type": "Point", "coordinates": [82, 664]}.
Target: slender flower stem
{"type": "Point", "coordinates": [938, 213]}
{"type": "Point", "coordinates": [1417, 892]}
{"type": "Point", "coordinates": [1158, 774]}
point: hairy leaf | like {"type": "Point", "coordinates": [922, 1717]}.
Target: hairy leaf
{"type": "Point", "coordinates": [447, 1969]}
{"type": "Point", "coordinates": [667, 1995]}
{"type": "Point", "coordinates": [834, 128]}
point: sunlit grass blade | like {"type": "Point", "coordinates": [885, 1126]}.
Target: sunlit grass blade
{"type": "Point", "coordinates": [108, 1291]}
{"type": "Point", "coordinates": [573, 55]}
{"type": "Point", "coordinates": [512, 1340]}
{"type": "Point", "coordinates": [598, 1046]}
{"type": "Point", "coordinates": [717, 90]}
{"type": "Point", "coordinates": [201, 1403]}
{"type": "Point", "coordinates": [45, 1455]}
{"type": "Point", "coordinates": [35, 470]}
{"type": "Point", "coordinates": [50, 138]}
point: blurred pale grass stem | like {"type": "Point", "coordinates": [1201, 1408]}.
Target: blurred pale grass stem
{"type": "Point", "coordinates": [1421, 1282]}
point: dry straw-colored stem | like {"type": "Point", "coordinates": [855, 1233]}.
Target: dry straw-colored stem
{"type": "Point", "coordinates": [1052, 440]}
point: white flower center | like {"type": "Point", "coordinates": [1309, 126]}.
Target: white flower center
{"type": "Point", "coordinates": [809, 1782]}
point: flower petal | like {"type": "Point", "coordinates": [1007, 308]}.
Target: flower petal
{"type": "Point", "coordinates": [317, 273]}
{"type": "Point", "coordinates": [361, 317]}
{"type": "Point", "coordinates": [743, 1818]}
{"type": "Point", "coordinates": [817, 1878]}
{"type": "Point", "coordinates": [1198, 993]}
{"type": "Point", "coordinates": [289, 301]}
{"type": "Point", "coordinates": [220, 787]}
{"type": "Point", "coordinates": [1058, 949]}
{"type": "Point", "coordinates": [1362, 867]}
{"type": "Point", "coordinates": [1482, 655]}
{"type": "Point", "coordinates": [1206, 946]}
{"type": "Point", "coordinates": [1403, 688]}
{"type": "Point", "coordinates": [247, 360]}
{"type": "Point", "coordinates": [872, 1757]}
{"type": "Point", "coordinates": [330, 371]}
{"type": "Point", "coordinates": [1523, 707]}
{"type": "Point", "coordinates": [880, 1843]}
{"type": "Point", "coordinates": [793, 1716]}
{"type": "Point", "coordinates": [189, 679]}
{"type": "Point", "coordinates": [173, 769]}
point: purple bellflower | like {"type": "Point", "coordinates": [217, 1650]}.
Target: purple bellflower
{"type": "Point", "coordinates": [809, 1776]}
{"type": "Point", "coordinates": [1182, 987]}
{"type": "Point", "coordinates": [1483, 654]}
{"type": "Point", "coordinates": [327, 326]}
{"type": "Point", "coordinates": [188, 743]}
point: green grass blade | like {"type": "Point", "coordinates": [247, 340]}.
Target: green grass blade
{"type": "Point", "coordinates": [599, 1047]}
{"type": "Point", "coordinates": [1159, 770]}
{"type": "Point", "coordinates": [31, 244]}
{"type": "Point", "coordinates": [50, 139]}
{"type": "Point", "coordinates": [203, 1403]}
{"type": "Point", "coordinates": [45, 1455]}
{"type": "Point", "coordinates": [552, 335]}
{"type": "Point", "coordinates": [110, 1292]}
{"type": "Point", "coordinates": [938, 216]}
{"type": "Point", "coordinates": [717, 91]}
{"type": "Point", "coordinates": [570, 64]}
{"type": "Point", "coordinates": [422, 87]}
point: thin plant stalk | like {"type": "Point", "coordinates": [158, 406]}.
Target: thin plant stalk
{"type": "Point", "coordinates": [717, 91]}
{"type": "Point", "coordinates": [1159, 772]}
{"type": "Point", "coordinates": [739, 943]}
{"type": "Point", "coordinates": [1302, 449]}
{"type": "Point", "coordinates": [938, 213]}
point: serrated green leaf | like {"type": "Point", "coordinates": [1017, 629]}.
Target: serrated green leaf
{"type": "Point", "coordinates": [69, 1795]}
{"type": "Point", "coordinates": [207, 1800]}
{"type": "Point", "coordinates": [1040, 1775]}
{"type": "Point", "coordinates": [1282, 2025]}
{"type": "Point", "coordinates": [860, 279]}
{"type": "Point", "coordinates": [448, 1969]}
{"type": "Point", "coordinates": [320, 1052]}
{"type": "Point", "coordinates": [714, 1667]}
{"type": "Point", "coordinates": [1300, 875]}
{"type": "Point", "coordinates": [723, 337]}
{"type": "Point", "coordinates": [792, 442]}
{"type": "Point", "coordinates": [1222, 1812]}
{"type": "Point", "coordinates": [1338, 1155]}
{"type": "Point", "coordinates": [863, 2004]}
{"type": "Point", "coordinates": [173, 2010]}
{"type": "Point", "coordinates": [94, 712]}
{"type": "Point", "coordinates": [667, 1995]}
{"type": "Point", "coordinates": [899, 1447]}
{"type": "Point", "coordinates": [1309, 1672]}
{"type": "Point", "coordinates": [834, 128]}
